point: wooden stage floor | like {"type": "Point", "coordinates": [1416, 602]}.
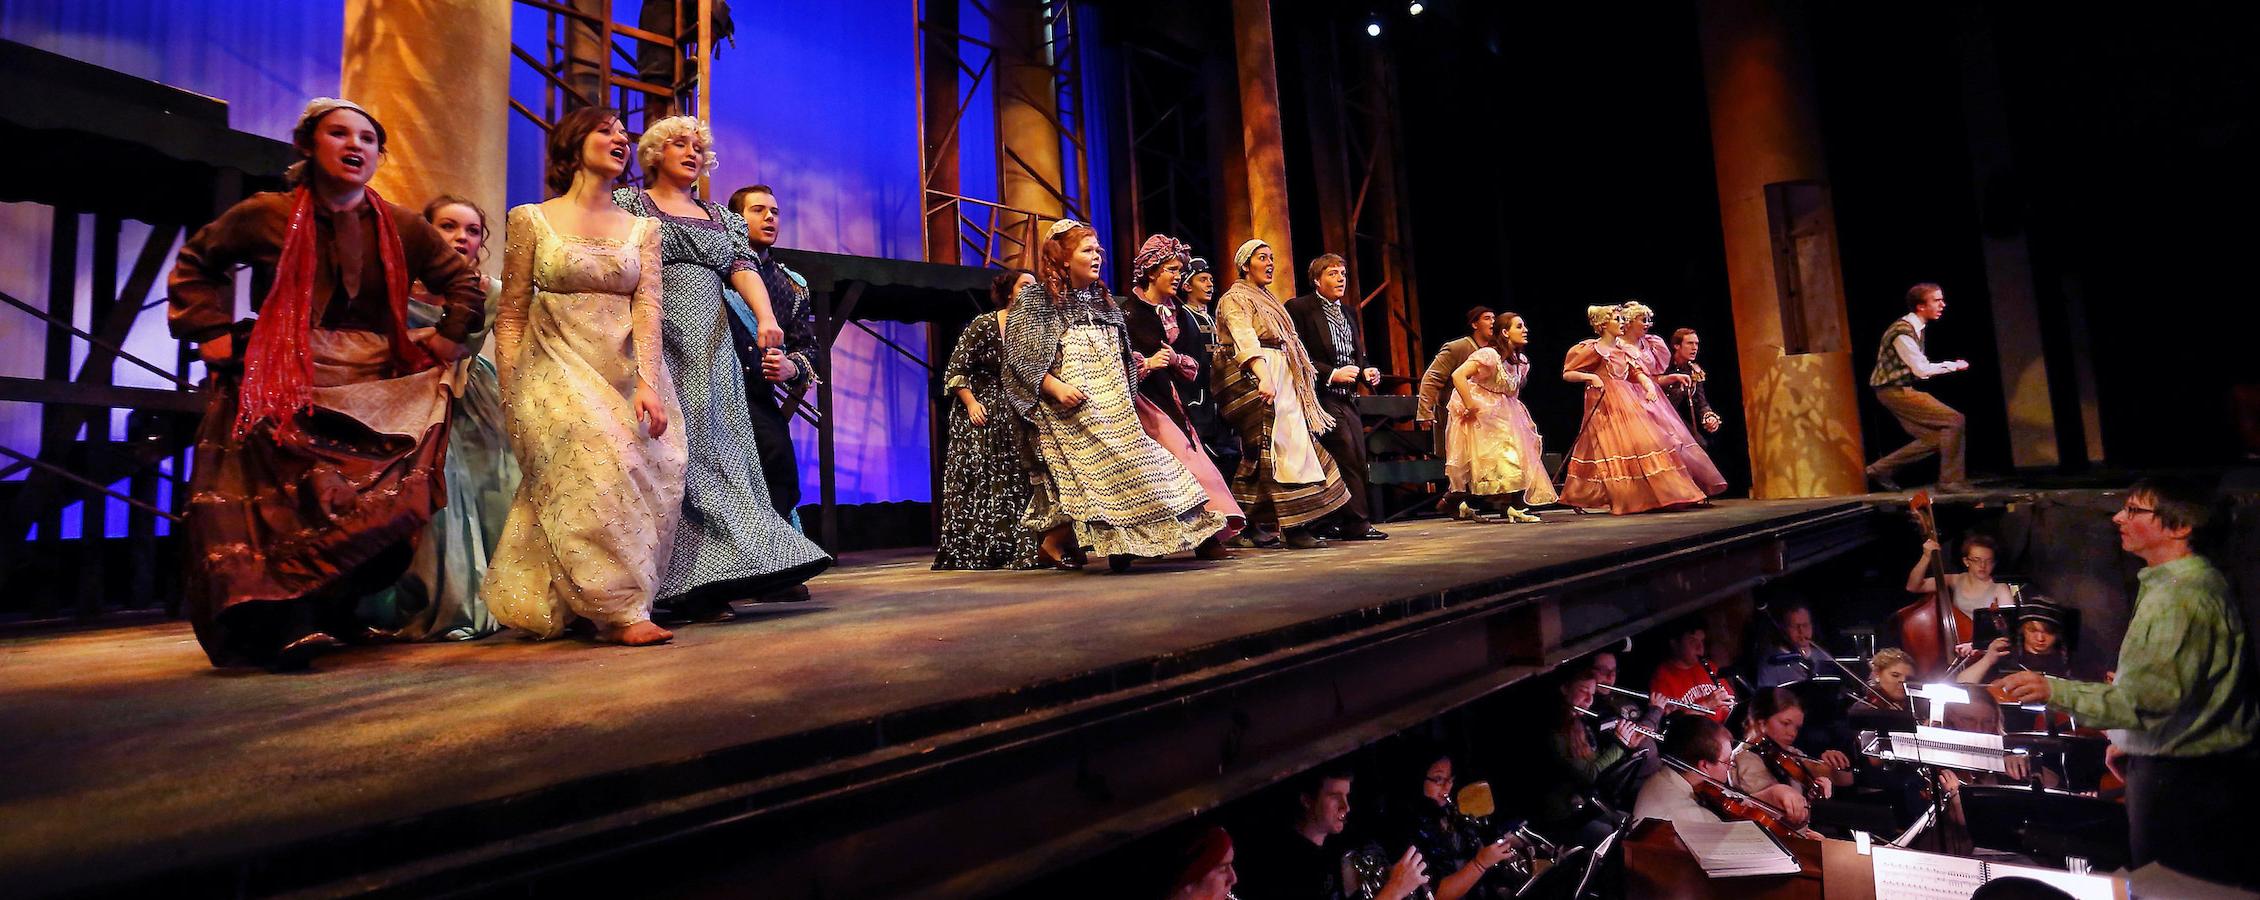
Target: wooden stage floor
{"type": "Point", "coordinates": [123, 755]}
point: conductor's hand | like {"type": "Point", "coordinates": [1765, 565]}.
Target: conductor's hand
{"type": "Point", "coordinates": [2024, 687]}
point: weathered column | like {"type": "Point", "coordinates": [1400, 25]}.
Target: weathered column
{"type": "Point", "coordinates": [938, 61]}
{"type": "Point", "coordinates": [1266, 150]}
{"type": "Point", "coordinates": [1031, 174]}
{"type": "Point", "coordinates": [1802, 369]}
{"type": "Point", "coordinates": [438, 73]}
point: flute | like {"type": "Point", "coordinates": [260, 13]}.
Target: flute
{"type": "Point", "coordinates": [1682, 704]}
{"type": "Point", "coordinates": [1635, 726]}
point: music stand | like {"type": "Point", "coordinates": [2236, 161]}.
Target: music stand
{"type": "Point", "coordinates": [1933, 747]}
{"type": "Point", "coordinates": [2049, 824]}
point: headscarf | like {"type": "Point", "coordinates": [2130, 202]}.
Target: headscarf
{"type": "Point", "coordinates": [1247, 251]}
{"type": "Point", "coordinates": [1262, 307]}
{"type": "Point", "coordinates": [1158, 250]}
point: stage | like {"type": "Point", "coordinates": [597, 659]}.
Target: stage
{"type": "Point", "coordinates": [821, 745]}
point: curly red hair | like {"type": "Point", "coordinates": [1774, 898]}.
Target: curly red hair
{"type": "Point", "coordinates": [1051, 262]}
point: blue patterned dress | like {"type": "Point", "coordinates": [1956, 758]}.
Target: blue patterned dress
{"type": "Point", "coordinates": [731, 544]}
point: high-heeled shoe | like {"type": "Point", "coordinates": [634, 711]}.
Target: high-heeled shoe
{"type": "Point", "coordinates": [1520, 516]}
{"type": "Point", "coordinates": [1119, 562]}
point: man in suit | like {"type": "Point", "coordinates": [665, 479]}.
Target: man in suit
{"type": "Point", "coordinates": [1686, 391]}
{"type": "Point", "coordinates": [1437, 383]}
{"type": "Point", "coordinates": [1332, 341]}
{"type": "Point", "coordinates": [776, 378]}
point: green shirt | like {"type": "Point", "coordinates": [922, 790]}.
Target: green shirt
{"type": "Point", "coordinates": [2184, 670]}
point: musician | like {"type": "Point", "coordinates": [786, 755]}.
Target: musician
{"type": "Point", "coordinates": [1603, 666]}
{"type": "Point", "coordinates": [2183, 705]}
{"type": "Point", "coordinates": [1296, 862]}
{"type": "Point", "coordinates": [1790, 654]}
{"type": "Point", "coordinates": [1888, 672]}
{"type": "Point", "coordinates": [1581, 749]}
{"type": "Point", "coordinates": [1429, 822]}
{"type": "Point", "coordinates": [1704, 745]}
{"type": "Point", "coordinates": [1203, 868]}
{"type": "Point", "coordinates": [1974, 588]}
{"type": "Point", "coordinates": [1686, 673]}
{"type": "Point", "coordinates": [1769, 756]}
{"type": "Point", "coordinates": [2040, 628]}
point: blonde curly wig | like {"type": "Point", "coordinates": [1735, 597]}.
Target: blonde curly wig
{"type": "Point", "coordinates": [668, 129]}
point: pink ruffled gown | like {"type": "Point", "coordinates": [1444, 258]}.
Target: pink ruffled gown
{"type": "Point", "coordinates": [1623, 458]}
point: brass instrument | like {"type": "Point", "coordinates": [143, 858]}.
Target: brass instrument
{"type": "Point", "coordinates": [1472, 810]}
{"type": "Point", "coordinates": [1366, 869]}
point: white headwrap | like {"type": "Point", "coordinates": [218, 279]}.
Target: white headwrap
{"type": "Point", "coordinates": [1247, 251]}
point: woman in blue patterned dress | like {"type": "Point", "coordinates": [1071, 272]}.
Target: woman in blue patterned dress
{"type": "Point", "coordinates": [731, 544]}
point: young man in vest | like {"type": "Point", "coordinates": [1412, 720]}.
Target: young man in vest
{"type": "Point", "coordinates": [1900, 364]}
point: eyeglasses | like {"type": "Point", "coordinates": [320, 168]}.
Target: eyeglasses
{"type": "Point", "coordinates": [2133, 510]}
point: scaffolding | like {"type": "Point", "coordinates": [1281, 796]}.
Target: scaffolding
{"type": "Point", "coordinates": [648, 71]}
{"type": "Point", "coordinates": [1000, 231]}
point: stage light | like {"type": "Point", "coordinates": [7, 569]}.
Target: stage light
{"type": "Point", "coordinates": [1415, 9]}
{"type": "Point", "coordinates": [1373, 28]}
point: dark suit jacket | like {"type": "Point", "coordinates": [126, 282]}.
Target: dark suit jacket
{"type": "Point", "coordinates": [1166, 388]}
{"type": "Point", "coordinates": [1691, 402]}
{"type": "Point", "coordinates": [1436, 383]}
{"type": "Point", "coordinates": [1318, 340]}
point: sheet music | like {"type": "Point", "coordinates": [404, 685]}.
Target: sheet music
{"type": "Point", "coordinates": [1908, 875]}
{"type": "Point", "coordinates": [1913, 875]}
{"type": "Point", "coordinates": [1734, 849]}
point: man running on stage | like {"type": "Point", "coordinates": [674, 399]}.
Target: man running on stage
{"type": "Point", "coordinates": [1437, 381]}
{"type": "Point", "coordinates": [2182, 706]}
{"type": "Point", "coordinates": [1332, 343]}
{"type": "Point", "coordinates": [1686, 391]}
{"type": "Point", "coordinates": [1899, 365]}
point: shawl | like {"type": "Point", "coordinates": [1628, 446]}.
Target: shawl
{"type": "Point", "coordinates": [1034, 330]}
{"type": "Point", "coordinates": [1262, 308]}
{"type": "Point", "coordinates": [278, 374]}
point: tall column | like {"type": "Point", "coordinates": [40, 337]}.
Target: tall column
{"type": "Point", "coordinates": [1801, 377]}
{"type": "Point", "coordinates": [938, 60]}
{"type": "Point", "coordinates": [1031, 172]}
{"type": "Point", "coordinates": [1260, 139]}
{"type": "Point", "coordinates": [438, 73]}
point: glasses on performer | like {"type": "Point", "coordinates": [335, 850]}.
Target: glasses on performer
{"type": "Point", "coordinates": [2132, 510]}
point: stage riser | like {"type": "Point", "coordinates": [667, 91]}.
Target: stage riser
{"type": "Point", "coordinates": [977, 811]}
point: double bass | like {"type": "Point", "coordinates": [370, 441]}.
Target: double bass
{"type": "Point", "coordinates": [1930, 627]}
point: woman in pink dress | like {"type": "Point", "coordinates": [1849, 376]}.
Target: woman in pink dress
{"type": "Point", "coordinates": [1655, 359]}
{"type": "Point", "coordinates": [1622, 459]}
{"type": "Point", "coordinates": [1162, 338]}
{"type": "Point", "coordinates": [1494, 451]}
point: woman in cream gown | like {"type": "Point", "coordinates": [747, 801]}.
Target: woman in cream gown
{"type": "Point", "coordinates": [588, 400]}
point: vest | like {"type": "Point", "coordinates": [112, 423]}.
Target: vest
{"type": "Point", "coordinates": [1890, 370]}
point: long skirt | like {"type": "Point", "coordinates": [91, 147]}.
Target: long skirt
{"type": "Point", "coordinates": [1700, 468]}
{"type": "Point", "coordinates": [1123, 492]}
{"type": "Point", "coordinates": [1497, 451]}
{"type": "Point", "coordinates": [327, 516]}
{"type": "Point", "coordinates": [1623, 459]}
{"type": "Point", "coordinates": [985, 491]}
{"type": "Point", "coordinates": [1274, 482]}
{"type": "Point", "coordinates": [1159, 426]}
{"type": "Point", "coordinates": [438, 598]}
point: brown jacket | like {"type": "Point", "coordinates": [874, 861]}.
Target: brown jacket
{"type": "Point", "coordinates": [251, 233]}
{"type": "Point", "coordinates": [1436, 383]}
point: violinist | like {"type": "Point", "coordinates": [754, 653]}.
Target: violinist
{"type": "Point", "coordinates": [1703, 747]}
{"type": "Point", "coordinates": [2183, 706]}
{"type": "Point", "coordinates": [1974, 588]}
{"type": "Point", "coordinates": [1888, 672]}
{"type": "Point", "coordinates": [1686, 673]}
{"type": "Point", "coordinates": [1769, 756]}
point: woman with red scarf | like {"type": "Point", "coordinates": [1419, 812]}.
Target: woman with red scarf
{"type": "Point", "coordinates": [319, 459]}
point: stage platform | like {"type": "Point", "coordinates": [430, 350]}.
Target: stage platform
{"type": "Point", "coordinates": [908, 732]}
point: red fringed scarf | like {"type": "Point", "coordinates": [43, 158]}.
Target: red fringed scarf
{"type": "Point", "coordinates": [278, 374]}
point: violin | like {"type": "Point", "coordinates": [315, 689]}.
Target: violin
{"type": "Point", "coordinates": [1930, 627]}
{"type": "Point", "coordinates": [1786, 761]}
{"type": "Point", "coordinates": [1735, 805]}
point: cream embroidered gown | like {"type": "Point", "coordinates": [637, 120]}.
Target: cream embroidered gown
{"type": "Point", "coordinates": [595, 514]}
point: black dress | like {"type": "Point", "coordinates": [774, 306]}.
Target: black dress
{"type": "Point", "coordinates": [985, 486]}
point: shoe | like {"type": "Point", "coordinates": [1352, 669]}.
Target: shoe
{"type": "Point", "coordinates": [1882, 481]}
{"type": "Point", "coordinates": [1520, 516]}
{"type": "Point", "coordinates": [1464, 512]}
{"type": "Point", "coordinates": [1119, 562]}
{"type": "Point", "coordinates": [794, 594]}
{"type": "Point", "coordinates": [1301, 539]}
{"type": "Point", "coordinates": [1361, 533]}
{"type": "Point", "coordinates": [1212, 549]}
{"type": "Point", "coordinates": [1070, 559]}
{"type": "Point", "coordinates": [300, 654]}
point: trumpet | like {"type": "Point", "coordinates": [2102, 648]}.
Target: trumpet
{"type": "Point", "coordinates": [1668, 702]}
